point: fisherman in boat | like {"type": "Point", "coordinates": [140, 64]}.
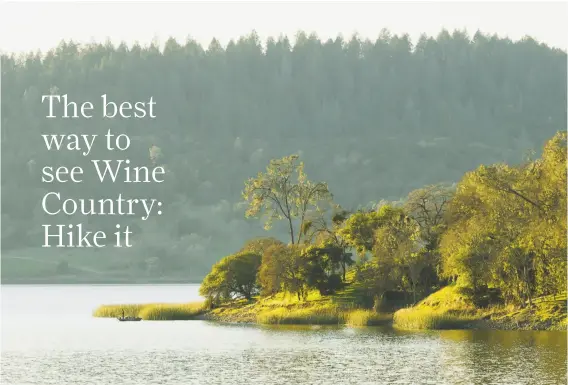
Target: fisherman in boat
{"type": "Point", "coordinates": [129, 318]}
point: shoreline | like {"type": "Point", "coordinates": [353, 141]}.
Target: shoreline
{"type": "Point", "coordinates": [479, 324]}
{"type": "Point", "coordinates": [544, 315]}
{"type": "Point", "coordinates": [475, 325]}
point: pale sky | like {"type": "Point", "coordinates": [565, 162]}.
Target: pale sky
{"type": "Point", "coordinates": [26, 26]}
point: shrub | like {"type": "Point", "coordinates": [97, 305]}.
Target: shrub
{"type": "Point", "coordinates": [233, 276]}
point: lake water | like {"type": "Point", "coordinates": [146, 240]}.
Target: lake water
{"type": "Point", "coordinates": [50, 337]}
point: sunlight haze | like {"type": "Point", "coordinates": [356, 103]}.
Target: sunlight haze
{"type": "Point", "coordinates": [29, 26]}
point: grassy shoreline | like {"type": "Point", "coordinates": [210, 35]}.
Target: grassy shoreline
{"type": "Point", "coordinates": [152, 311]}
{"type": "Point", "coordinates": [278, 310]}
{"type": "Point", "coordinates": [444, 309]}
{"type": "Point", "coordinates": [449, 308]}
{"type": "Point", "coordinates": [286, 310]}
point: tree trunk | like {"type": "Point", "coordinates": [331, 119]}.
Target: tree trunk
{"type": "Point", "coordinates": [291, 229]}
{"type": "Point", "coordinates": [413, 293]}
{"type": "Point", "coordinates": [527, 285]}
{"type": "Point", "coordinates": [378, 302]}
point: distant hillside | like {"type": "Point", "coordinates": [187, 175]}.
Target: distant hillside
{"type": "Point", "coordinates": [374, 119]}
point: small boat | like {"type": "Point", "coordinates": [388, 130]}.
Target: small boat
{"type": "Point", "coordinates": [129, 318]}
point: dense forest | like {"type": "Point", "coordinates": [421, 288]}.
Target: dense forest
{"type": "Point", "coordinates": [374, 119]}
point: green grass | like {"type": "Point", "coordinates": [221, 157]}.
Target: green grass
{"type": "Point", "coordinates": [364, 317]}
{"type": "Point", "coordinates": [167, 312]}
{"type": "Point", "coordinates": [424, 318]}
{"type": "Point", "coordinates": [152, 311]}
{"type": "Point", "coordinates": [113, 311]}
{"type": "Point", "coordinates": [286, 309]}
{"type": "Point", "coordinates": [353, 294]}
{"type": "Point", "coordinates": [448, 308]}
{"type": "Point", "coordinates": [547, 313]}
{"type": "Point", "coordinates": [450, 297]}
{"type": "Point", "coordinates": [452, 308]}
{"type": "Point", "coordinates": [313, 315]}
{"type": "Point", "coordinates": [322, 314]}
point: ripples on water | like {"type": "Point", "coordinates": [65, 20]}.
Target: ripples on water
{"type": "Point", "coordinates": [49, 337]}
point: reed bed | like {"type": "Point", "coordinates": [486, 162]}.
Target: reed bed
{"type": "Point", "coordinates": [152, 311]}
{"type": "Point", "coordinates": [424, 318]}
{"type": "Point", "coordinates": [171, 312]}
{"type": "Point", "coordinates": [114, 311]}
{"type": "Point", "coordinates": [323, 314]}
{"type": "Point", "coordinates": [315, 315]}
{"type": "Point", "coordinates": [363, 317]}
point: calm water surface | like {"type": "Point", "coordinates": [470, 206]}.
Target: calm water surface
{"type": "Point", "coordinates": [49, 337]}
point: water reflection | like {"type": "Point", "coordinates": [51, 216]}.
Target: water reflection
{"type": "Point", "coordinates": [481, 356]}
{"type": "Point", "coordinates": [82, 350]}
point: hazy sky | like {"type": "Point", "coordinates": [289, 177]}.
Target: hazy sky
{"type": "Point", "coordinates": [42, 25]}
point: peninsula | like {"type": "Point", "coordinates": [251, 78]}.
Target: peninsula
{"type": "Point", "coordinates": [487, 252]}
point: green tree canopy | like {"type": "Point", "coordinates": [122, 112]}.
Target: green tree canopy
{"type": "Point", "coordinates": [284, 192]}
{"type": "Point", "coordinates": [232, 277]}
